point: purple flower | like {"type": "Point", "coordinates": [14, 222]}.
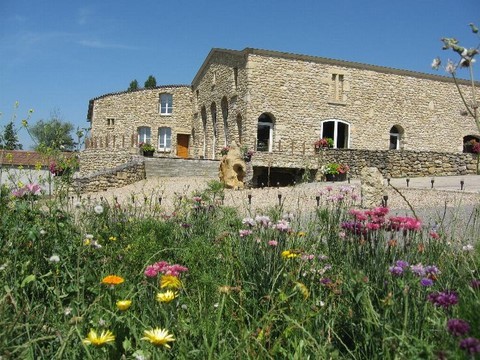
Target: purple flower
{"type": "Point", "coordinates": [401, 263]}
{"type": "Point", "coordinates": [418, 270]}
{"type": "Point", "coordinates": [444, 299]}
{"type": "Point", "coordinates": [244, 233]}
{"type": "Point", "coordinates": [396, 270]}
{"type": "Point", "coordinates": [325, 281]}
{"type": "Point", "coordinates": [426, 282]}
{"type": "Point", "coordinates": [458, 327]}
{"type": "Point", "coordinates": [431, 270]}
{"type": "Point", "coordinates": [470, 345]}
{"type": "Point", "coordinates": [475, 284]}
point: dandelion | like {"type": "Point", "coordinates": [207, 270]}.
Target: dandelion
{"type": "Point", "coordinates": [166, 296]}
{"type": "Point", "coordinates": [467, 248]}
{"type": "Point", "coordinates": [112, 280]}
{"type": "Point", "coordinates": [112, 238]}
{"type": "Point", "coordinates": [170, 281]}
{"type": "Point", "coordinates": [158, 337]}
{"type": "Point", "coordinates": [302, 289]}
{"type": "Point", "coordinates": [289, 254]}
{"type": "Point", "coordinates": [458, 327]}
{"type": "Point", "coordinates": [98, 209]}
{"type": "Point", "coordinates": [54, 259]}
{"type": "Point", "coordinates": [123, 304]}
{"type": "Point", "coordinates": [94, 339]}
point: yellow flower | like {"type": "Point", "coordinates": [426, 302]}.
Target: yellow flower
{"type": "Point", "coordinates": [158, 337]}
{"type": "Point", "coordinates": [112, 238]}
{"type": "Point", "coordinates": [289, 254]}
{"type": "Point", "coordinates": [93, 339]}
{"type": "Point", "coordinates": [123, 304]}
{"type": "Point", "coordinates": [170, 281]}
{"type": "Point", "coordinates": [166, 296]}
{"type": "Point", "coordinates": [302, 289]}
{"type": "Point", "coordinates": [301, 233]}
{"type": "Point", "coordinates": [113, 280]}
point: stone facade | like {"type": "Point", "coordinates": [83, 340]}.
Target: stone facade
{"type": "Point", "coordinates": [279, 104]}
{"type": "Point", "coordinates": [116, 118]}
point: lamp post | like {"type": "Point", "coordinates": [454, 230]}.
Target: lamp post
{"type": "Point", "coordinates": [462, 182]}
{"type": "Point", "coordinates": [432, 181]}
{"type": "Point", "coordinates": [408, 181]}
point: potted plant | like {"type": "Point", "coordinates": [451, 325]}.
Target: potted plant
{"type": "Point", "coordinates": [323, 143]}
{"type": "Point", "coordinates": [147, 149]}
{"type": "Point", "coordinates": [335, 171]}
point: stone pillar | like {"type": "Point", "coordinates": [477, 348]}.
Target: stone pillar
{"type": "Point", "coordinates": [372, 188]}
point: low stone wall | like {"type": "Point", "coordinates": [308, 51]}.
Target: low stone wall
{"type": "Point", "coordinates": [92, 160]}
{"type": "Point", "coordinates": [103, 180]}
{"type": "Point", "coordinates": [392, 163]}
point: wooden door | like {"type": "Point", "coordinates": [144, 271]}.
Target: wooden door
{"type": "Point", "coordinates": [182, 145]}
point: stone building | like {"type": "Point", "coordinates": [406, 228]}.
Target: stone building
{"type": "Point", "coordinates": [278, 104]}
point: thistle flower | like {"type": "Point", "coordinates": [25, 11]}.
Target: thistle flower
{"type": "Point", "coordinates": [444, 299]}
{"type": "Point", "coordinates": [123, 305]}
{"type": "Point", "coordinates": [94, 339]}
{"type": "Point", "coordinates": [166, 296]}
{"type": "Point", "coordinates": [112, 280]}
{"type": "Point", "coordinates": [458, 327]}
{"type": "Point", "coordinates": [470, 345]}
{"type": "Point", "coordinates": [158, 337]}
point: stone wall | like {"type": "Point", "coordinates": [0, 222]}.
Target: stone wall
{"type": "Point", "coordinates": [390, 162]}
{"type": "Point", "coordinates": [103, 180]}
{"type": "Point", "coordinates": [93, 160]}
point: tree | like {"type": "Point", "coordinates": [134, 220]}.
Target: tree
{"type": "Point", "coordinates": [52, 134]}
{"type": "Point", "coordinates": [133, 85]}
{"type": "Point", "coordinates": [151, 82]}
{"type": "Point", "coordinates": [9, 138]}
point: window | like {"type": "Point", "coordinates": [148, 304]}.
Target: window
{"type": "Point", "coordinates": [235, 77]}
{"type": "Point", "coordinates": [338, 130]}
{"type": "Point", "coordinates": [166, 104]}
{"type": "Point", "coordinates": [144, 134]}
{"type": "Point", "coordinates": [394, 138]}
{"type": "Point", "coordinates": [265, 133]}
{"type": "Point", "coordinates": [110, 122]}
{"type": "Point", "coordinates": [164, 139]}
{"type": "Point", "coordinates": [336, 88]}
{"type": "Point", "coordinates": [225, 118]}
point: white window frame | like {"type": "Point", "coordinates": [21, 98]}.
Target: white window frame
{"type": "Point", "coordinates": [144, 134]}
{"type": "Point", "coordinates": [166, 104]}
{"type": "Point", "coordinates": [164, 139]}
{"type": "Point", "coordinates": [335, 131]}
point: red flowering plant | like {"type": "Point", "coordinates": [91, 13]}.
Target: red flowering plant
{"type": "Point", "coordinates": [335, 169]}
{"type": "Point", "coordinates": [224, 150]}
{"type": "Point", "coordinates": [64, 166]}
{"type": "Point", "coordinates": [323, 143]}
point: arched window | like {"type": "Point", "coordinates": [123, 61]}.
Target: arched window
{"type": "Point", "coordinates": [338, 130]}
{"type": "Point", "coordinates": [396, 135]}
{"type": "Point", "coordinates": [225, 118]}
{"type": "Point", "coordinates": [204, 128]}
{"type": "Point", "coordinates": [265, 133]}
{"type": "Point", "coordinates": [164, 139]}
{"type": "Point", "coordinates": [144, 134]}
{"type": "Point", "coordinates": [239, 128]}
{"type": "Point", "coordinates": [213, 112]}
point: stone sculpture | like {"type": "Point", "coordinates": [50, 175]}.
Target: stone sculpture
{"type": "Point", "coordinates": [233, 168]}
{"type": "Point", "coordinates": [372, 188]}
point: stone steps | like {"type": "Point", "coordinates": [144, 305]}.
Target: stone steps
{"type": "Point", "coordinates": [169, 167]}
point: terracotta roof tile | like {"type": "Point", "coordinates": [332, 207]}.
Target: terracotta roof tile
{"type": "Point", "coordinates": [23, 158]}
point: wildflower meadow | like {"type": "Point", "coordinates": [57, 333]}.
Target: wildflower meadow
{"type": "Point", "coordinates": [101, 280]}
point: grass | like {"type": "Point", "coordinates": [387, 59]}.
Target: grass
{"type": "Point", "coordinates": [336, 284]}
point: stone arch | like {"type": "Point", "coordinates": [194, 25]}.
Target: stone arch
{"type": "Point", "coordinates": [203, 112]}
{"type": "Point", "coordinates": [213, 114]}
{"type": "Point", "coordinates": [265, 131]}
{"type": "Point", "coordinates": [240, 128]}
{"type": "Point", "coordinates": [338, 130]}
{"type": "Point", "coordinates": [397, 134]}
{"type": "Point", "coordinates": [224, 105]}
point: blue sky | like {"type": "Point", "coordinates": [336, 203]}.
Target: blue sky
{"type": "Point", "coordinates": [57, 55]}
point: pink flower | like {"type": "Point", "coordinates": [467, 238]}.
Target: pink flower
{"type": "Point", "coordinates": [150, 271]}
{"type": "Point", "coordinates": [34, 189]}
{"type": "Point", "coordinates": [273, 243]}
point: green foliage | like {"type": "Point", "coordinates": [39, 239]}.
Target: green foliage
{"type": "Point", "coordinates": [133, 85]}
{"type": "Point", "coordinates": [268, 287]}
{"type": "Point", "coordinates": [52, 134]}
{"type": "Point", "coordinates": [151, 82]}
{"type": "Point", "coordinates": [9, 138]}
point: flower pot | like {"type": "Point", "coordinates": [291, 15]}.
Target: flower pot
{"type": "Point", "coordinates": [336, 177]}
{"type": "Point", "coordinates": [148, 153]}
